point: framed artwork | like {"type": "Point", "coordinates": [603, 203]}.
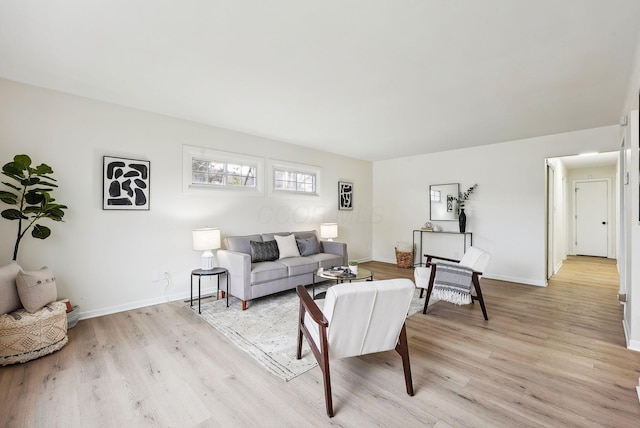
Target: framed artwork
{"type": "Point", "coordinates": [125, 184]}
{"type": "Point", "coordinates": [345, 195]}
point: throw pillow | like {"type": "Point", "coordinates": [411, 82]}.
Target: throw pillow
{"type": "Point", "coordinates": [287, 246]}
{"type": "Point", "coordinates": [264, 251]}
{"type": "Point", "coordinates": [9, 298]}
{"type": "Point", "coordinates": [36, 289]}
{"type": "Point", "coordinates": [308, 246]}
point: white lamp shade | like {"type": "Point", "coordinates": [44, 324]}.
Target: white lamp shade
{"type": "Point", "coordinates": [206, 239]}
{"type": "Point", "coordinates": [329, 230]}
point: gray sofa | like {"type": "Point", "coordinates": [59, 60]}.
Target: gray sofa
{"type": "Point", "coordinates": [250, 280]}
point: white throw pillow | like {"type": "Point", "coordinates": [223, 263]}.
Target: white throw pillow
{"type": "Point", "coordinates": [287, 246]}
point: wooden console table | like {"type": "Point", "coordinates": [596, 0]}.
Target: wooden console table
{"type": "Point", "coordinates": [422, 232]}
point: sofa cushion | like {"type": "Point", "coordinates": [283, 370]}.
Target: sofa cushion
{"type": "Point", "coordinates": [300, 265]}
{"type": "Point", "coordinates": [241, 244]}
{"type": "Point", "coordinates": [268, 271]}
{"type": "Point", "coordinates": [36, 289]}
{"type": "Point", "coordinates": [9, 298]}
{"type": "Point", "coordinates": [264, 251]}
{"type": "Point", "coordinates": [308, 246]}
{"type": "Point", "coordinates": [287, 246]}
{"type": "Point", "coordinates": [326, 260]}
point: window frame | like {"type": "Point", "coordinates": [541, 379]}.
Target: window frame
{"type": "Point", "coordinates": [297, 168]}
{"type": "Point", "coordinates": [189, 153]}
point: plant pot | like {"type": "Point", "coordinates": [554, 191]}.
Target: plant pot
{"type": "Point", "coordinates": [354, 269]}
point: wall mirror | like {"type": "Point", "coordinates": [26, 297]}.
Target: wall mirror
{"type": "Point", "coordinates": [442, 201]}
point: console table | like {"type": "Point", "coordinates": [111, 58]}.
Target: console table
{"type": "Point", "coordinates": [421, 234]}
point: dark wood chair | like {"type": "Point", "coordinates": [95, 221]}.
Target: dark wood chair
{"type": "Point", "coordinates": [475, 259]}
{"type": "Point", "coordinates": [348, 323]}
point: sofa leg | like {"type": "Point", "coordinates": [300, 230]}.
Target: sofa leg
{"type": "Point", "coordinates": [222, 294]}
{"type": "Point", "coordinates": [244, 305]}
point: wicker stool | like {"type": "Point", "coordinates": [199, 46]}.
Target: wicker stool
{"type": "Point", "coordinates": [25, 336]}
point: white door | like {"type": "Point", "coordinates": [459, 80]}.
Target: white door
{"type": "Point", "coordinates": [592, 222]}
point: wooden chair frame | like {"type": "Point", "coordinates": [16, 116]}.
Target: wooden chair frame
{"type": "Point", "coordinates": [475, 278]}
{"type": "Point", "coordinates": [308, 305]}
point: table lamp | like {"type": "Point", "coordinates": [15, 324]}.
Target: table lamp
{"type": "Point", "coordinates": [206, 239]}
{"type": "Point", "coordinates": [329, 231]}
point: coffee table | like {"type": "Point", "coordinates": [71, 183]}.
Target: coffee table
{"type": "Point", "coordinates": [362, 275]}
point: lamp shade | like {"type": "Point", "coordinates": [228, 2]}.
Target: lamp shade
{"type": "Point", "coordinates": [206, 239]}
{"type": "Point", "coordinates": [329, 230]}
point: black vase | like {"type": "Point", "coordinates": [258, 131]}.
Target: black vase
{"type": "Point", "coordinates": [462, 221]}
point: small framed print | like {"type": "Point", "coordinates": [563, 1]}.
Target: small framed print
{"type": "Point", "coordinates": [125, 184]}
{"type": "Point", "coordinates": [345, 195]}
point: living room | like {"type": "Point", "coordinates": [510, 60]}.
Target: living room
{"type": "Point", "coordinates": [103, 260]}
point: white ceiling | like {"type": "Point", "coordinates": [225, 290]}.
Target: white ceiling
{"type": "Point", "coordinates": [371, 79]}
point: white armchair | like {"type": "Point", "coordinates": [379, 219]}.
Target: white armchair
{"type": "Point", "coordinates": [475, 259]}
{"type": "Point", "coordinates": [356, 319]}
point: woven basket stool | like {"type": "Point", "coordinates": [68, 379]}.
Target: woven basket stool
{"type": "Point", "coordinates": [25, 336]}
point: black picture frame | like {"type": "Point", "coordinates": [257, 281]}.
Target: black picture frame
{"type": "Point", "coordinates": [345, 195]}
{"type": "Point", "coordinates": [125, 184]}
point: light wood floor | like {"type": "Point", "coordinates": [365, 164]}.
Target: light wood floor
{"type": "Point", "coordinates": [547, 357]}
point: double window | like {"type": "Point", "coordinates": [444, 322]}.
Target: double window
{"type": "Point", "coordinates": [205, 170]}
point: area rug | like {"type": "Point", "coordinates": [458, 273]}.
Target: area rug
{"type": "Point", "coordinates": [267, 330]}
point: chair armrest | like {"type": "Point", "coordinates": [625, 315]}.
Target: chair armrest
{"type": "Point", "coordinates": [430, 257]}
{"type": "Point", "coordinates": [337, 248]}
{"type": "Point", "coordinates": [310, 306]}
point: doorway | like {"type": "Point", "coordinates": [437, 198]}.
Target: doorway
{"type": "Point", "coordinates": [592, 217]}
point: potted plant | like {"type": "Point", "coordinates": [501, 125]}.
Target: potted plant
{"type": "Point", "coordinates": [461, 199]}
{"type": "Point", "coordinates": [30, 197]}
{"type": "Point", "coordinates": [353, 266]}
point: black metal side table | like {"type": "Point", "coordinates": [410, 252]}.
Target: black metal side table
{"type": "Point", "coordinates": [208, 272]}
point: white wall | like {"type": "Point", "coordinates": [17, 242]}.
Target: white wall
{"type": "Point", "coordinates": [103, 259]}
{"type": "Point", "coordinates": [506, 213]}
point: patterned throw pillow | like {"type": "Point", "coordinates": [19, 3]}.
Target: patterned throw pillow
{"type": "Point", "coordinates": [264, 251]}
{"type": "Point", "coordinates": [308, 246]}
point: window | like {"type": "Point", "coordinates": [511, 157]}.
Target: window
{"type": "Point", "coordinates": [294, 181]}
{"type": "Point", "coordinates": [222, 173]}
{"type": "Point", "coordinates": [205, 170]}
{"type": "Point", "coordinates": [294, 178]}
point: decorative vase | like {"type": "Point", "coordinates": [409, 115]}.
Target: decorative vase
{"type": "Point", "coordinates": [462, 221]}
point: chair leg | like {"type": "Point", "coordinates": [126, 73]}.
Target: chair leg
{"type": "Point", "coordinates": [430, 289]}
{"type": "Point", "coordinates": [300, 320]}
{"type": "Point", "coordinates": [403, 349]}
{"type": "Point", "coordinates": [327, 386]}
{"type": "Point", "coordinates": [476, 284]}
{"type": "Point", "coordinates": [421, 292]}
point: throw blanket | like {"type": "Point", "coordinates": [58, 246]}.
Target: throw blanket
{"type": "Point", "coordinates": [452, 283]}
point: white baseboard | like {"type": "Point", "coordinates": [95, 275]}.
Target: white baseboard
{"type": "Point", "coordinates": [143, 303]}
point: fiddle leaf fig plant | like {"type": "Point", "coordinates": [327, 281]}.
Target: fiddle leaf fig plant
{"type": "Point", "coordinates": [30, 198]}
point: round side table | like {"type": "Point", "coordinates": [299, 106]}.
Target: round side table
{"type": "Point", "coordinates": [217, 271]}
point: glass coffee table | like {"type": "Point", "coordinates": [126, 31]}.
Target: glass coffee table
{"type": "Point", "coordinates": [362, 275]}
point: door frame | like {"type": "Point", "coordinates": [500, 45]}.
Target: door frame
{"type": "Point", "coordinates": [610, 250]}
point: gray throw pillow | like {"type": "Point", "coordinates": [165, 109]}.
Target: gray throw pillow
{"type": "Point", "coordinates": [308, 246]}
{"type": "Point", "coordinates": [264, 251]}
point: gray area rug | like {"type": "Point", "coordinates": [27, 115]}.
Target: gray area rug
{"type": "Point", "coordinates": [267, 330]}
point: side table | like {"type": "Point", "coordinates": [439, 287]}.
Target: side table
{"type": "Point", "coordinates": [208, 272]}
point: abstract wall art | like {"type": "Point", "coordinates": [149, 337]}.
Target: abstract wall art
{"type": "Point", "coordinates": [345, 195]}
{"type": "Point", "coordinates": [125, 184]}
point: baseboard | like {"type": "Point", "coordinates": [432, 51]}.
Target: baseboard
{"type": "Point", "coordinates": [142, 303]}
{"type": "Point", "coordinates": [557, 268]}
